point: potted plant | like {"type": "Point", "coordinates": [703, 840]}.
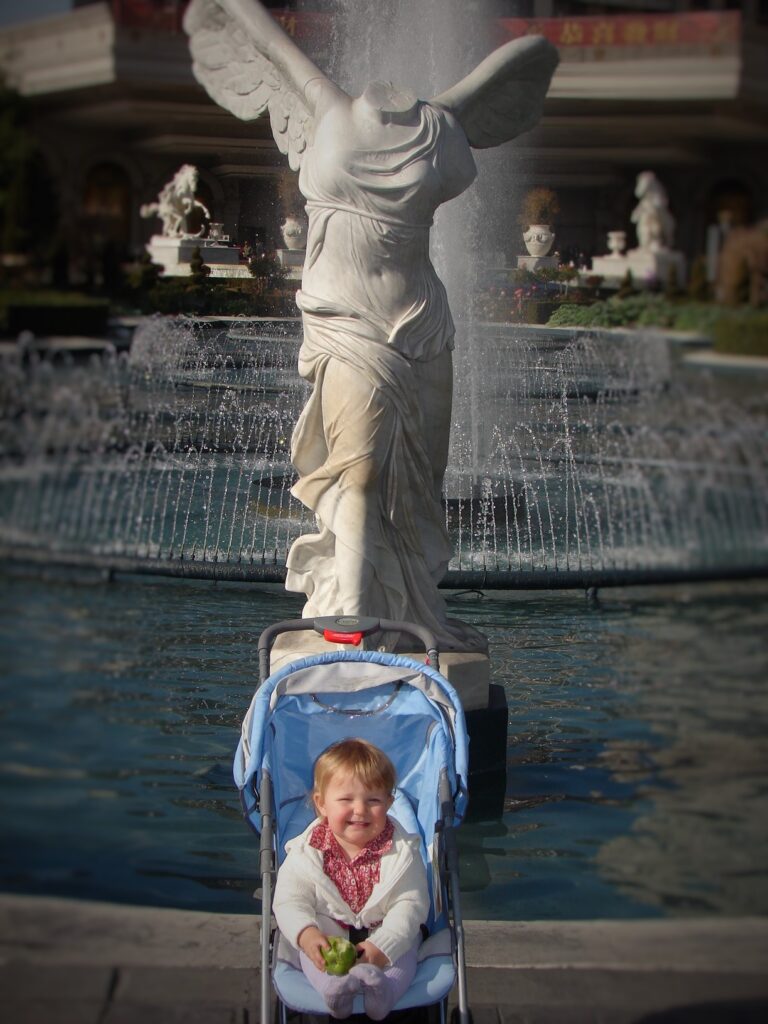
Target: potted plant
{"type": "Point", "coordinates": [539, 209]}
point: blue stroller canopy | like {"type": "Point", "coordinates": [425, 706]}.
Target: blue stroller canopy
{"type": "Point", "coordinates": [406, 708]}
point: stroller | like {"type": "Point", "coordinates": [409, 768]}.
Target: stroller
{"type": "Point", "coordinates": [410, 711]}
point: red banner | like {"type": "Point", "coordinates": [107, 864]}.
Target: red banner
{"type": "Point", "coordinates": [695, 29]}
{"type": "Point", "coordinates": [161, 15]}
{"type": "Point", "coordinates": [166, 16]}
{"type": "Point", "coordinates": [701, 29]}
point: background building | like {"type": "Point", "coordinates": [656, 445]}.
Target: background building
{"type": "Point", "coordinates": [677, 87]}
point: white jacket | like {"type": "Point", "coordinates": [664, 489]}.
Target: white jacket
{"type": "Point", "coordinates": [305, 895]}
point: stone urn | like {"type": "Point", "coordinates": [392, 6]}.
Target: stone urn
{"type": "Point", "coordinates": [294, 232]}
{"type": "Point", "coordinates": [617, 242]}
{"type": "Point", "coordinates": [538, 239]}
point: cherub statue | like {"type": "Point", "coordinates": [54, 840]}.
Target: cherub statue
{"type": "Point", "coordinates": [654, 223]}
{"type": "Point", "coordinates": [176, 202]}
{"type": "Point", "coordinates": [371, 444]}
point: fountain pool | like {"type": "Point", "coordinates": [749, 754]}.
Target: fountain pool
{"type": "Point", "coordinates": [636, 763]}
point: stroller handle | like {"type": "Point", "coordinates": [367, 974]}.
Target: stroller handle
{"type": "Point", "coordinates": [344, 629]}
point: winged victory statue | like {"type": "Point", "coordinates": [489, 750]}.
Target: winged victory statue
{"type": "Point", "coordinates": [371, 445]}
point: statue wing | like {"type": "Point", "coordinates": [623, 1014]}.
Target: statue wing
{"type": "Point", "coordinates": [236, 72]}
{"type": "Point", "coordinates": [504, 96]}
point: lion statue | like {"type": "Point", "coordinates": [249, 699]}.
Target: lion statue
{"type": "Point", "coordinates": [176, 202]}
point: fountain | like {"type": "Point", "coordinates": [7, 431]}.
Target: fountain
{"type": "Point", "coordinates": [576, 458]}
{"type": "Point", "coordinates": [597, 460]}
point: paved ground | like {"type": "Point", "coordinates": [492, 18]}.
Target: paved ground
{"type": "Point", "coordinates": [68, 962]}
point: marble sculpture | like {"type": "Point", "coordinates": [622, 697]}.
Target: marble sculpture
{"type": "Point", "coordinates": [653, 222]}
{"type": "Point", "coordinates": [175, 203]}
{"type": "Point", "coordinates": [371, 445]}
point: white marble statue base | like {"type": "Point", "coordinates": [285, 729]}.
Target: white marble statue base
{"type": "Point", "coordinates": [468, 672]}
{"type": "Point", "coordinates": [174, 254]}
{"type": "Point", "coordinates": [537, 262]}
{"type": "Point", "coordinates": [647, 266]}
{"type": "Point", "coordinates": [292, 260]}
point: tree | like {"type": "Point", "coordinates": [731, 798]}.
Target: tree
{"type": "Point", "coordinates": [15, 154]}
{"type": "Point", "coordinates": [627, 286]}
{"type": "Point", "coordinates": [146, 274]}
{"type": "Point", "coordinates": [698, 286]}
{"type": "Point", "coordinates": [672, 289]}
{"type": "Point", "coordinates": [28, 206]}
{"type": "Point", "coordinates": [199, 271]}
{"type": "Point", "coordinates": [266, 269]}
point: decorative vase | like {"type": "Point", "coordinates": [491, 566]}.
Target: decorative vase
{"type": "Point", "coordinates": [294, 233]}
{"type": "Point", "coordinates": [538, 239]}
{"type": "Point", "coordinates": [617, 242]}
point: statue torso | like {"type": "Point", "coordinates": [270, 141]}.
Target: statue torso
{"type": "Point", "coordinates": [372, 190]}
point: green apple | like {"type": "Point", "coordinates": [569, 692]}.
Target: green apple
{"type": "Point", "coordinates": [340, 956]}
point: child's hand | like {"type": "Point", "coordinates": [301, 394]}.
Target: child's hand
{"type": "Point", "coordinates": [370, 954]}
{"type": "Point", "coordinates": [311, 940]}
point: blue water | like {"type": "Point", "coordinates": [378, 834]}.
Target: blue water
{"type": "Point", "coordinates": [637, 769]}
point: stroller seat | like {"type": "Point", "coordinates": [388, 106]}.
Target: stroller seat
{"type": "Point", "coordinates": [435, 977]}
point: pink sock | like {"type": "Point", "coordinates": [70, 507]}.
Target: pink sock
{"type": "Point", "coordinates": [383, 988]}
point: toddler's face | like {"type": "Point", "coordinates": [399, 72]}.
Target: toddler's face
{"type": "Point", "coordinates": [355, 813]}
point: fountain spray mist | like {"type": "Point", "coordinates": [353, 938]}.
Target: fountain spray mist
{"type": "Point", "coordinates": [427, 47]}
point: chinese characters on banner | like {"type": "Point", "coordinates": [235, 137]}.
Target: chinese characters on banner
{"type": "Point", "coordinates": [702, 29]}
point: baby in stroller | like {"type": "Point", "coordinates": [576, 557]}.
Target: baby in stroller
{"type": "Point", "coordinates": [294, 742]}
{"type": "Point", "coordinates": [357, 874]}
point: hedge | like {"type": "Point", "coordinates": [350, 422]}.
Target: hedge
{"type": "Point", "coordinates": [743, 333]}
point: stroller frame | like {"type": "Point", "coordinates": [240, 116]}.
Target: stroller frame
{"type": "Point", "coordinates": [351, 629]}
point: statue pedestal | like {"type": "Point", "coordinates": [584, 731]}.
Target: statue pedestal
{"type": "Point", "coordinates": [484, 704]}
{"type": "Point", "coordinates": [468, 672]}
{"type": "Point", "coordinates": [647, 266]}
{"type": "Point", "coordinates": [292, 260]}
{"type": "Point", "coordinates": [174, 254]}
{"type": "Point", "coordinates": [537, 262]}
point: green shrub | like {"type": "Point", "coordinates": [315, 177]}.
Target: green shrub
{"type": "Point", "coordinates": [739, 333]}
{"type": "Point", "coordinates": [697, 316]}
{"type": "Point", "coordinates": [742, 333]}
{"type": "Point", "coordinates": [640, 310]}
{"type": "Point", "coordinates": [52, 312]}
{"type": "Point", "coordinates": [536, 311]}
{"type": "Point", "coordinates": [572, 315]}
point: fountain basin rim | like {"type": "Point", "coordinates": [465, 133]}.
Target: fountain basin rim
{"type": "Point", "coordinates": [265, 572]}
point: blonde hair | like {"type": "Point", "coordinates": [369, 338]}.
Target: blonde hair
{"type": "Point", "coordinates": [357, 758]}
